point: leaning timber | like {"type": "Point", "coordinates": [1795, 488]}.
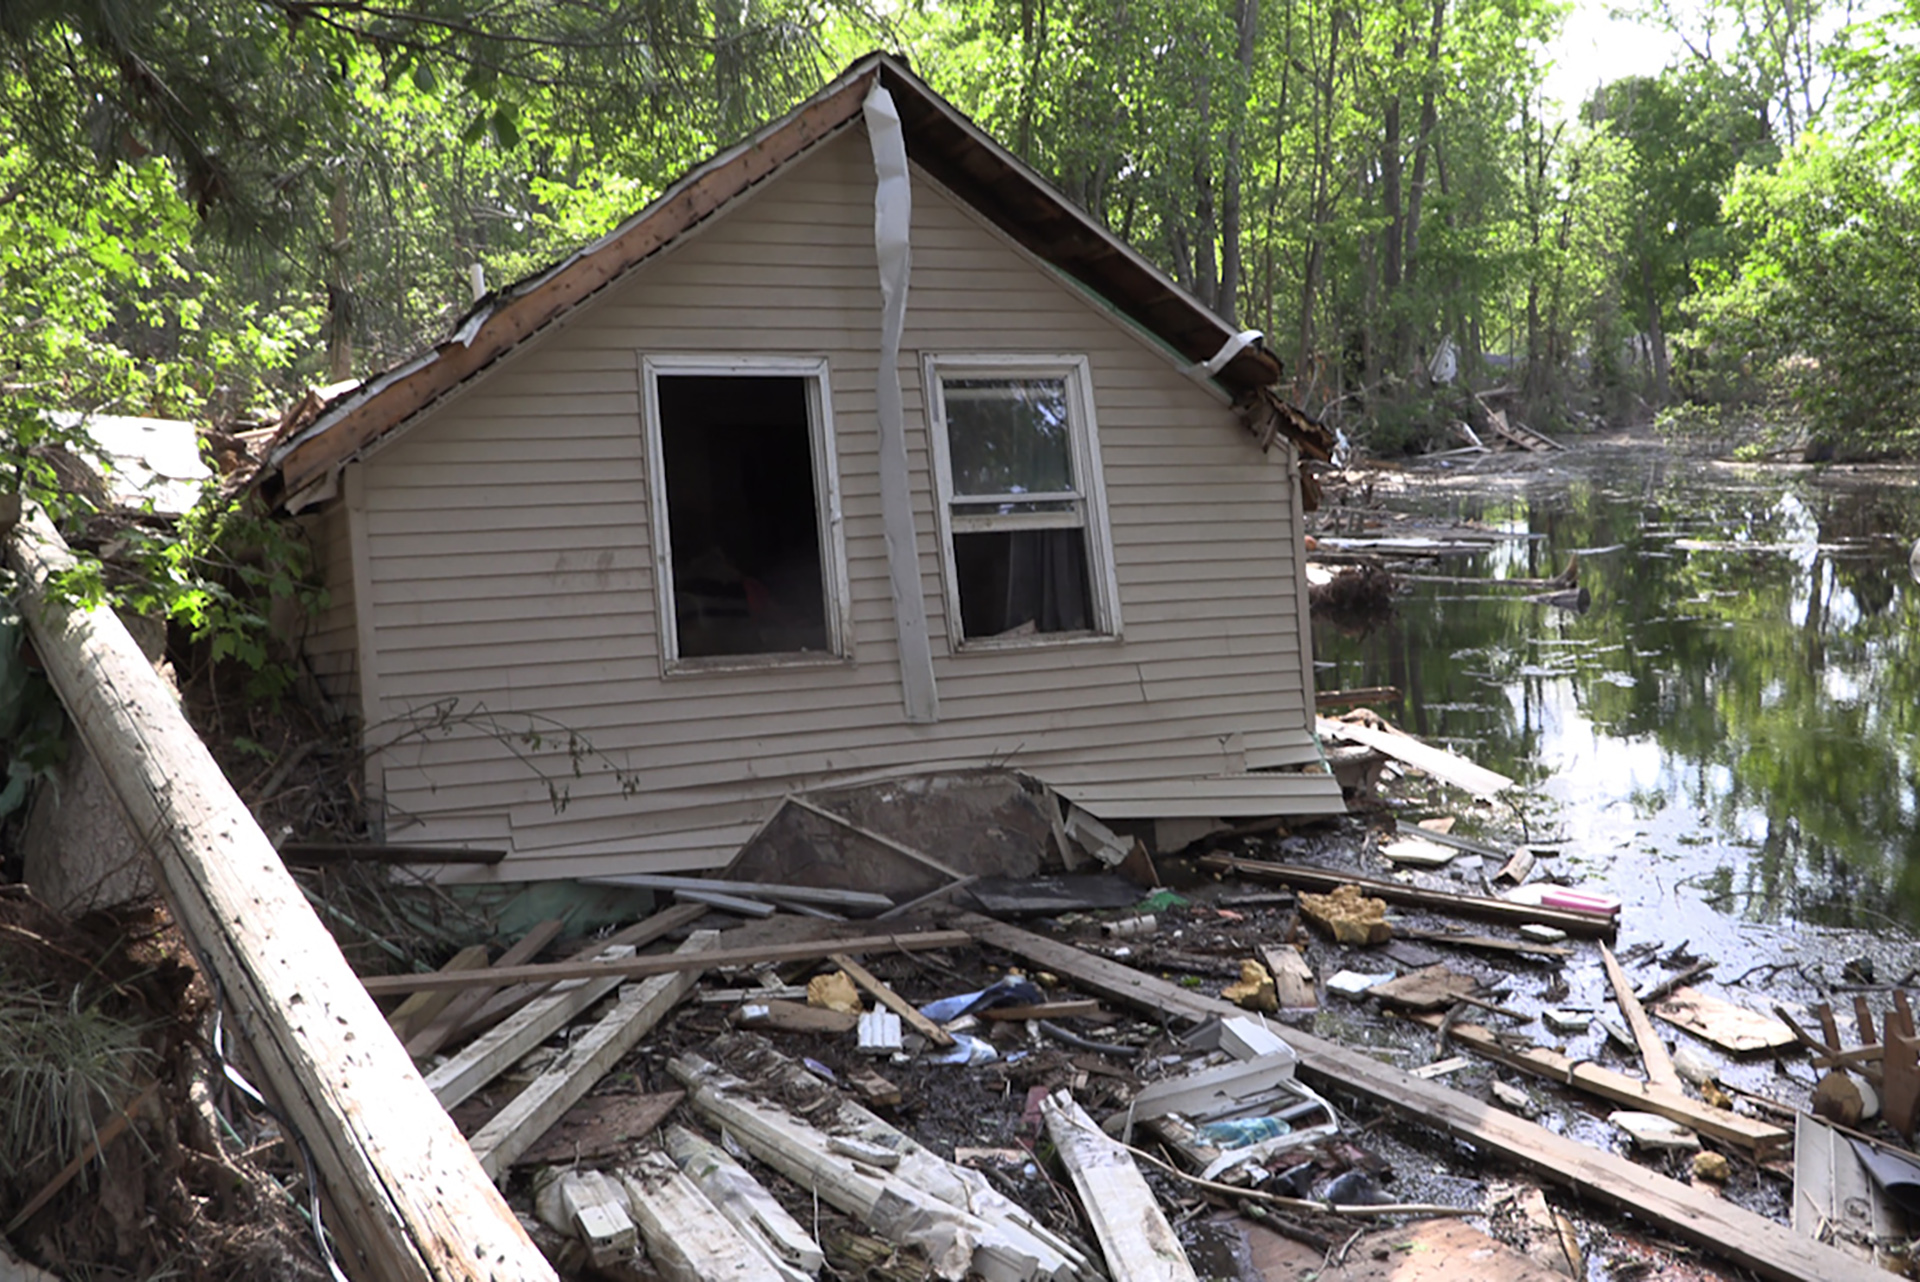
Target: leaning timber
{"type": "Point", "coordinates": [409, 1200]}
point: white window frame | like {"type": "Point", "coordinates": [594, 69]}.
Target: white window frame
{"type": "Point", "coordinates": [838, 605]}
{"type": "Point", "coordinates": [1084, 430]}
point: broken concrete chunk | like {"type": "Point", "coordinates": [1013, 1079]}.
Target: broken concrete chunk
{"type": "Point", "coordinates": [1349, 916]}
{"type": "Point", "coordinates": [1650, 1130]}
{"type": "Point", "coordinates": [1513, 1099]}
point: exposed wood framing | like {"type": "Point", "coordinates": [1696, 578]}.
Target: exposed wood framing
{"type": "Point", "coordinates": [502, 1046]}
{"type": "Point", "coordinates": [1653, 1051]}
{"type": "Point", "coordinates": [587, 1059]}
{"type": "Point", "coordinates": [1138, 1242]}
{"type": "Point", "coordinates": [411, 1202]}
{"type": "Point", "coordinates": [1767, 1249]}
{"type": "Point", "coordinates": [464, 1006]}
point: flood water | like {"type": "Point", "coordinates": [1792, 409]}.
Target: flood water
{"type": "Point", "coordinates": [1727, 737]}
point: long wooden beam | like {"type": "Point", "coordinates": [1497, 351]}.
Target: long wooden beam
{"type": "Point", "coordinates": [662, 964]}
{"type": "Point", "coordinates": [1441, 901]}
{"type": "Point", "coordinates": [410, 1201]}
{"type": "Point", "coordinates": [1769, 1250]}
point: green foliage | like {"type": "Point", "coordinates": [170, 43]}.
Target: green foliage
{"type": "Point", "coordinates": [1823, 309]}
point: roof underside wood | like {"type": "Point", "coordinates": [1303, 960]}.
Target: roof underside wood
{"type": "Point", "coordinates": [939, 138]}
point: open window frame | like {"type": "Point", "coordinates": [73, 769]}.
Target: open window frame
{"type": "Point", "coordinates": [1088, 493]}
{"type": "Point", "coordinates": [837, 605]}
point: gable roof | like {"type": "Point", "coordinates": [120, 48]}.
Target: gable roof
{"type": "Point", "coordinates": [940, 139]}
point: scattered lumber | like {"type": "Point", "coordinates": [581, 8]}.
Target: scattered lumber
{"type": "Point", "coordinates": [410, 1202]}
{"type": "Point", "coordinates": [461, 1007]}
{"type": "Point", "coordinates": [1293, 983]}
{"type": "Point", "coordinates": [1447, 767]}
{"type": "Point", "coordinates": [775, 1015]}
{"type": "Point", "coordinates": [661, 964]}
{"type": "Point", "coordinates": [1899, 1069]}
{"type": "Point", "coordinates": [600, 1128]}
{"type": "Point", "coordinates": [422, 1008]}
{"type": "Point", "coordinates": [1135, 1237]}
{"type": "Point", "coordinates": [1653, 1051]}
{"type": "Point", "coordinates": [688, 1239]}
{"type": "Point", "coordinates": [1762, 1139]}
{"type": "Point", "coordinates": [591, 1206]}
{"type": "Point", "coordinates": [1075, 1008]}
{"type": "Point", "coordinates": [893, 1001]}
{"type": "Point", "coordinates": [825, 896]}
{"type": "Point", "coordinates": [585, 1061]}
{"type": "Point", "coordinates": [1734, 1029]}
{"type": "Point", "coordinates": [956, 1240]}
{"type": "Point", "coordinates": [748, 1206]}
{"type": "Point", "coordinates": [1486, 943]}
{"type": "Point", "coordinates": [1432, 988]}
{"type": "Point", "coordinates": [1440, 901]}
{"type": "Point", "coordinates": [1768, 1250]}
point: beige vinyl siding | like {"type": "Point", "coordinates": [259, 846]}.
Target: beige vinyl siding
{"type": "Point", "coordinates": [329, 643]}
{"type": "Point", "coordinates": [512, 561]}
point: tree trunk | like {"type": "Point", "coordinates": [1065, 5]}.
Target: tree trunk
{"type": "Point", "coordinates": [1656, 334]}
{"type": "Point", "coordinates": [339, 288]}
{"type": "Point", "coordinates": [1322, 198]}
{"type": "Point", "coordinates": [1226, 303]}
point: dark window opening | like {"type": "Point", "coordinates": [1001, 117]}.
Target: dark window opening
{"type": "Point", "coordinates": [1017, 582]}
{"type": "Point", "coordinates": [742, 515]}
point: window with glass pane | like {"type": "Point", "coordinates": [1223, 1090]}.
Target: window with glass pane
{"type": "Point", "coordinates": [1017, 513]}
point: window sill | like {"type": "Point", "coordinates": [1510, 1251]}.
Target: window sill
{"type": "Point", "coordinates": [723, 663]}
{"type": "Point", "coordinates": [1035, 640]}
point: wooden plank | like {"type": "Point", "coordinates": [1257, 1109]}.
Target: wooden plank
{"type": "Point", "coordinates": [1734, 1029]}
{"type": "Point", "coordinates": [1071, 1009]}
{"type": "Point", "coordinates": [775, 1015]}
{"type": "Point", "coordinates": [824, 895]}
{"type": "Point", "coordinates": [1438, 762]}
{"type": "Point", "coordinates": [1653, 1051]}
{"type": "Point", "coordinates": [658, 964]}
{"type": "Point", "coordinates": [1762, 1139]}
{"type": "Point", "coordinates": [504, 1045]}
{"type": "Point", "coordinates": [587, 1059]}
{"type": "Point", "coordinates": [1899, 1069]}
{"type": "Point", "coordinates": [688, 1239]}
{"type": "Point", "coordinates": [1134, 1235]}
{"type": "Point", "coordinates": [461, 1006]}
{"type": "Point", "coordinates": [420, 1009]}
{"type": "Point", "coordinates": [411, 1202]}
{"type": "Point", "coordinates": [893, 1001]}
{"type": "Point", "coordinates": [747, 1205]}
{"type": "Point", "coordinates": [1439, 901]}
{"type": "Point", "coordinates": [1767, 1249]}
{"type": "Point", "coordinates": [1486, 943]}
{"type": "Point", "coordinates": [1293, 981]}
{"type": "Point", "coordinates": [1427, 989]}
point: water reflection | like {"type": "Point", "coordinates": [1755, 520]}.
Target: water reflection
{"type": "Point", "coordinates": [1736, 716]}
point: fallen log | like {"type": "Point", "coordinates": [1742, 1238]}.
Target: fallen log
{"type": "Point", "coordinates": [410, 1201]}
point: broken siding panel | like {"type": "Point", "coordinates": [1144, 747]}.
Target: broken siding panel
{"type": "Point", "coordinates": [511, 498]}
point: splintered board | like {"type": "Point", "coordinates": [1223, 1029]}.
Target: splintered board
{"type": "Point", "coordinates": [1734, 1029]}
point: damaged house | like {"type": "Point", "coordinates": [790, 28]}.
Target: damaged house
{"type": "Point", "coordinates": [861, 452]}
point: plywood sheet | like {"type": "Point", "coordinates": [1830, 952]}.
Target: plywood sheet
{"type": "Point", "coordinates": [1732, 1028]}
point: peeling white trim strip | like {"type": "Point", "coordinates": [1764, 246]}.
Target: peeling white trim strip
{"type": "Point", "coordinates": [892, 215]}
